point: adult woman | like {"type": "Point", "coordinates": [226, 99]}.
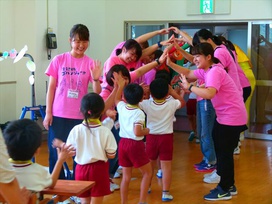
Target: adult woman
{"type": "Point", "coordinates": [69, 75]}
{"type": "Point", "coordinates": [230, 111]}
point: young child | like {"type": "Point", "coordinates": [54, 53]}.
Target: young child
{"type": "Point", "coordinates": [94, 144]}
{"type": "Point", "coordinates": [131, 148]}
{"type": "Point", "coordinates": [160, 116]}
{"type": "Point", "coordinates": [23, 139]}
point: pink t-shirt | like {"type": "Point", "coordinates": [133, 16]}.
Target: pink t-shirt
{"type": "Point", "coordinates": [71, 74]}
{"type": "Point", "coordinates": [227, 102]}
{"type": "Point", "coordinates": [222, 53]}
{"type": "Point", "coordinates": [119, 46]}
{"type": "Point", "coordinates": [242, 77]}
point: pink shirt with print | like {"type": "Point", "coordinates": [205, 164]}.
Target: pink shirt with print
{"type": "Point", "coordinates": [71, 74]}
{"type": "Point", "coordinates": [227, 102]}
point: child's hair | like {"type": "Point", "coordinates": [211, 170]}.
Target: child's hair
{"type": "Point", "coordinates": [205, 34]}
{"type": "Point", "coordinates": [129, 45]}
{"type": "Point", "coordinates": [92, 106]}
{"type": "Point", "coordinates": [23, 137]}
{"type": "Point", "coordinates": [81, 30]}
{"type": "Point", "coordinates": [163, 74]}
{"type": "Point", "coordinates": [133, 93]}
{"type": "Point", "coordinates": [205, 49]}
{"type": "Point", "coordinates": [159, 88]}
{"type": "Point", "coordinates": [117, 68]}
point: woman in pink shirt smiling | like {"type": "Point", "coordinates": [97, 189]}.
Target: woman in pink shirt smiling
{"type": "Point", "coordinates": [230, 111]}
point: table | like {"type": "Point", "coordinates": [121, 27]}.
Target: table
{"type": "Point", "coordinates": [64, 189]}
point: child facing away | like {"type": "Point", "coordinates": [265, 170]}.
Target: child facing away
{"type": "Point", "coordinates": [131, 148]}
{"type": "Point", "coordinates": [23, 139]}
{"type": "Point", "coordinates": [94, 144]}
{"type": "Point", "coordinates": [160, 116]}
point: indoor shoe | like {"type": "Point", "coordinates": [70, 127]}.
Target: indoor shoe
{"type": "Point", "coordinates": [212, 178]}
{"type": "Point", "coordinates": [191, 136]}
{"type": "Point", "coordinates": [206, 168]}
{"type": "Point", "coordinates": [167, 197]}
{"type": "Point", "coordinates": [200, 164]}
{"type": "Point", "coordinates": [233, 190]}
{"type": "Point", "coordinates": [159, 173]}
{"type": "Point", "coordinates": [218, 194]}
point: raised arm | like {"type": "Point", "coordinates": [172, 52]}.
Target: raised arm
{"type": "Point", "coordinates": [64, 152]}
{"type": "Point", "coordinates": [181, 70]}
{"type": "Point", "coordinates": [150, 35]}
{"type": "Point", "coordinates": [177, 96]}
{"type": "Point", "coordinates": [144, 69]}
{"type": "Point", "coordinates": [186, 37]}
{"type": "Point", "coordinates": [121, 84]}
{"type": "Point", "coordinates": [96, 74]}
{"type": "Point", "coordinates": [203, 92]}
{"type": "Point", "coordinates": [151, 49]}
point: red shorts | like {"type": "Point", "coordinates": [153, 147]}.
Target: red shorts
{"type": "Point", "coordinates": [160, 146]}
{"type": "Point", "coordinates": [98, 172]}
{"type": "Point", "coordinates": [131, 153]}
{"type": "Point", "coordinates": [191, 107]}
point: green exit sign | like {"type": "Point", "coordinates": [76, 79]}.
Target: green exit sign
{"type": "Point", "coordinates": [206, 6]}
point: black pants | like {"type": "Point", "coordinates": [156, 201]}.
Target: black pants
{"type": "Point", "coordinates": [225, 141]}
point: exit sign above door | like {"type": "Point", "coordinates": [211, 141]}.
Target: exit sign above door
{"type": "Point", "coordinates": [206, 6]}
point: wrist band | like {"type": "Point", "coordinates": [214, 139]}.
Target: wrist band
{"type": "Point", "coordinates": [190, 87]}
{"type": "Point", "coordinates": [158, 61]}
{"type": "Point", "coordinates": [95, 79]}
{"type": "Point", "coordinates": [159, 44]}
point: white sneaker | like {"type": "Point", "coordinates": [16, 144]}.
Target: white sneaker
{"type": "Point", "coordinates": [117, 175]}
{"type": "Point", "coordinates": [167, 197]}
{"type": "Point", "coordinates": [237, 150]}
{"type": "Point", "coordinates": [114, 186]}
{"type": "Point", "coordinates": [209, 174]}
{"type": "Point", "coordinates": [242, 136]}
{"type": "Point", "coordinates": [120, 170]}
{"type": "Point", "coordinates": [159, 173]}
{"type": "Point", "coordinates": [75, 199]}
{"type": "Point", "coordinates": [213, 178]}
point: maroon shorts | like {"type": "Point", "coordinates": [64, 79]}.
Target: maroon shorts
{"type": "Point", "coordinates": [160, 146]}
{"type": "Point", "coordinates": [98, 172]}
{"type": "Point", "coordinates": [191, 107]}
{"type": "Point", "coordinates": [131, 153]}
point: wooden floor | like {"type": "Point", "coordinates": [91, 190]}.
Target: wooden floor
{"type": "Point", "coordinates": [253, 175]}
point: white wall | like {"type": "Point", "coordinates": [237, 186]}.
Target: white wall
{"type": "Point", "coordinates": [26, 21]}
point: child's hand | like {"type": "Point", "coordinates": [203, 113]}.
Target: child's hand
{"type": "Point", "coordinates": [65, 152]}
{"type": "Point", "coordinates": [57, 143]}
{"type": "Point", "coordinates": [111, 113]}
{"type": "Point", "coordinates": [146, 91]}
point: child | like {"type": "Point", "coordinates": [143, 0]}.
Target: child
{"type": "Point", "coordinates": [131, 148]}
{"type": "Point", "coordinates": [23, 139]}
{"type": "Point", "coordinates": [160, 116]}
{"type": "Point", "coordinates": [94, 144]}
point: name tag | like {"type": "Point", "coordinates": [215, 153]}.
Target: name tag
{"type": "Point", "coordinates": [72, 94]}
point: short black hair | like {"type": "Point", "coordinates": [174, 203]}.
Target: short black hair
{"type": "Point", "coordinates": [159, 88]}
{"type": "Point", "coordinates": [133, 93]}
{"type": "Point", "coordinates": [23, 137]}
{"type": "Point", "coordinates": [117, 68]}
{"type": "Point", "coordinates": [163, 74]}
{"type": "Point", "coordinates": [81, 30]}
